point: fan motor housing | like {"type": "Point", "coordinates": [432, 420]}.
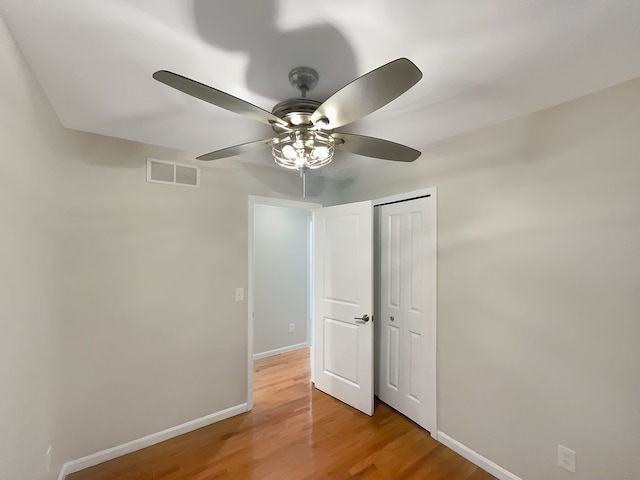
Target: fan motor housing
{"type": "Point", "coordinates": [296, 112]}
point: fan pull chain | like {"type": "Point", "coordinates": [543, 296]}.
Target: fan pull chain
{"type": "Point", "coordinates": [303, 175]}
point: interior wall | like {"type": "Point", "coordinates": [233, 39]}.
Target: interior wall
{"type": "Point", "coordinates": [27, 287]}
{"type": "Point", "coordinates": [280, 276]}
{"type": "Point", "coordinates": [117, 301]}
{"type": "Point", "coordinates": [152, 335]}
{"type": "Point", "coordinates": [538, 280]}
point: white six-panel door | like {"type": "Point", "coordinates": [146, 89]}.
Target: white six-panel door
{"type": "Point", "coordinates": [343, 290]}
{"type": "Point", "coordinates": [406, 377]}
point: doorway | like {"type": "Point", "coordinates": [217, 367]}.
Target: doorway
{"type": "Point", "coordinates": [278, 296]}
{"type": "Point", "coordinates": [423, 366]}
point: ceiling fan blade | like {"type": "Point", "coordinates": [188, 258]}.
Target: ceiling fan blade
{"type": "Point", "coordinates": [375, 147]}
{"type": "Point", "coordinates": [235, 150]}
{"type": "Point", "coordinates": [216, 97]}
{"type": "Point", "coordinates": [368, 93]}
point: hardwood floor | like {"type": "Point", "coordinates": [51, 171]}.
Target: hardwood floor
{"type": "Point", "coordinates": [294, 432]}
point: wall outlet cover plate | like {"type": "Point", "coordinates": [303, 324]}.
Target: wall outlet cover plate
{"type": "Point", "coordinates": [566, 458]}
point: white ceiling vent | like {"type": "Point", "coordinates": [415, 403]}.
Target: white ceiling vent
{"type": "Point", "coordinates": [170, 173]}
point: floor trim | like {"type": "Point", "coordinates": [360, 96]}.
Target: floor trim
{"type": "Point", "coordinates": [278, 351]}
{"type": "Point", "coordinates": [140, 443]}
{"type": "Point", "coordinates": [474, 457]}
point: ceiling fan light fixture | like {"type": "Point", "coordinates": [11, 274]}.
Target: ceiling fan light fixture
{"type": "Point", "coordinates": [305, 136]}
{"type": "Point", "coordinates": [300, 149]}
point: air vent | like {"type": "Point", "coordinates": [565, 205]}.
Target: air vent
{"type": "Point", "coordinates": [170, 173]}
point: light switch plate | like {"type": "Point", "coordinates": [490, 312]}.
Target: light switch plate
{"type": "Point", "coordinates": [239, 294]}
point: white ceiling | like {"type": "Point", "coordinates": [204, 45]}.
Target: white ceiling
{"type": "Point", "coordinates": [484, 61]}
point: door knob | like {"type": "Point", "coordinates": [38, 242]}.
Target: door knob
{"type": "Point", "coordinates": [363, 319]}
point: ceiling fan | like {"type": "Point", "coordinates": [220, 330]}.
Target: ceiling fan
{"type": "Point", "coordinates": [305, 136]}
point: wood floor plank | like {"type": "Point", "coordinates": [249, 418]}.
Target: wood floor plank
{"type": "Point", "coordinates": [294, 432]}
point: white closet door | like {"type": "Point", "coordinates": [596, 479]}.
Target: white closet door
{"type": "Point", "coordinates": [407, 266]}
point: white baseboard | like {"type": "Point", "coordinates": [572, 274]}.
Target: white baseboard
{"type": "Point", "coordinates": [474, 457]}
{"type": "Point", "coordinates": [119, 450]}
{"type": "Point", "coordinates": [278, 351]}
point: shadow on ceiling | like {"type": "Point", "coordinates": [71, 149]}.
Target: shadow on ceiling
{"type": "Point", "coordinates": [251, 27]}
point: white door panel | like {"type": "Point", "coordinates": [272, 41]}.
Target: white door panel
{"type": "Point", "coordinates": [343, 290]}
{"type": "Point", "coordinates": [407, 246]}
{"type": "Point", "coordinates": [390, 338]}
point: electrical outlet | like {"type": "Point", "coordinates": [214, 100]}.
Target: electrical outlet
{"type": "Point", "coordinates": [566, 458]}
{"type": "Point", "coordinates": [292, 327]}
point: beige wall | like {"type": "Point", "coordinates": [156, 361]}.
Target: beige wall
{"type": "Point", "coordinates": [151, 335]}
{"type": "Point", "coordinates": [538, 284]}
{"type": "Point", "coordinates": [117, 302]}
{"type": "Point", "coordinates": [27, 289]}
